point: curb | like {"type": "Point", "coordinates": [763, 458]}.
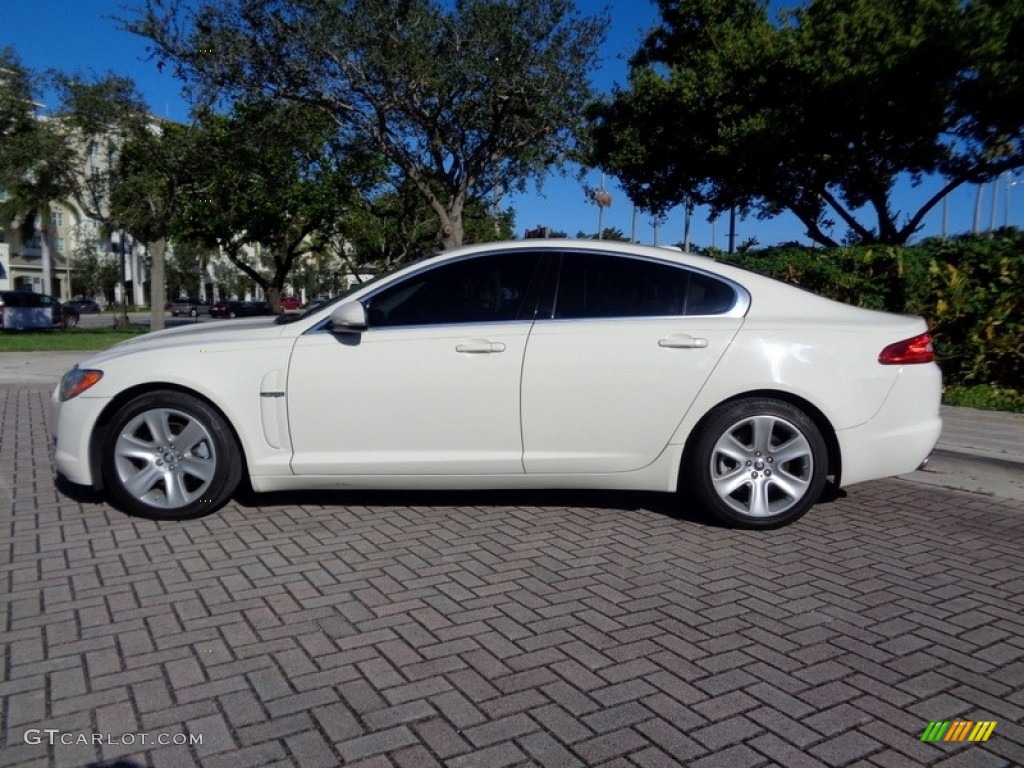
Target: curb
{"type": "Point", "coordinates": [973, 471]}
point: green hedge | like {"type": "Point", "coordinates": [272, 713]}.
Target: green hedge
{"type": "Point", "coordinates": [970, 289]}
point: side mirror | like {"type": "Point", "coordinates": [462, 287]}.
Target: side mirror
{"type": "Point", "coordinates": [350, 317]}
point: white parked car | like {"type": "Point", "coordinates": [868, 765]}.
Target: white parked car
{"type": "Point", "coordinates": [529, 364]}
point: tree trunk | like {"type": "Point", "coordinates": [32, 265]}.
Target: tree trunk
{"type": "Point", "coordinates": [273, 295]}
{"type": "Point", "coordinates": [157, 290]}
{"type": "Point", "coordinates": [452, 231]}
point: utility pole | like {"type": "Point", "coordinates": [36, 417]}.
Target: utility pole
{"type": "Point", "coordinates": [732, 229]}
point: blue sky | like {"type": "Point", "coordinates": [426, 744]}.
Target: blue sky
{"type": "Point", "coordinates": [82, 37]}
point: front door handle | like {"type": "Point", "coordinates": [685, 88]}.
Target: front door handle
{"type": "Point", "coordinates": [682, 341]}
{"type": "Point", "coordinates": [480, 347]}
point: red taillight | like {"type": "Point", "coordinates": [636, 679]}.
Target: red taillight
{"type": "Point", "coordinates": [909, 351]}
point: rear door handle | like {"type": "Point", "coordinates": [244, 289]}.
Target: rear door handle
{"type": "Point", "coordinates": [480, 347]}
{"type": "Point", "coordinates": [682, 341]}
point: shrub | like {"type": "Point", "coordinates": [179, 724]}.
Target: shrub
{"type": "Point", "coordinates": [974, 297]}
{"type": "Point", "coordinates": [968, 288]}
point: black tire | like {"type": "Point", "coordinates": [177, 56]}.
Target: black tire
{"type": "Point", "coordinates": [190, 469]}
{"type": "Point", "coordinates": [69, 319]}
{"type": "Point", "coordinates": [757, 463]}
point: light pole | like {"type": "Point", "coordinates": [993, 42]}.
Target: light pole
{"type": "Point", "coordinates": [1006, 210]}
{"type": "Point", "coordinates": [995, 205]}
{"type": "Point", "coordinates": [977, 208]}
{"type": "Point", "coordinates": [687, 215]}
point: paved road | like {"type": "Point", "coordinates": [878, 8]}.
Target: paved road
{"type": "Point", "coordinates": [502, 629]}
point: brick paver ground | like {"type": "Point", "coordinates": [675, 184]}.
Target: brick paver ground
{"type": "Point", "coordinates": [493, 630]}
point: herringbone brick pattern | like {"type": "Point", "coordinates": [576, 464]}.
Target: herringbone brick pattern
{"type": "Point", "coordinates": [502, 629]}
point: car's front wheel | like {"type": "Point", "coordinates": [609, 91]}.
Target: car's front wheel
{"type": "Point", "coordinates": [170, 456]}
{"type": "Point", "coordinates": [757, 463]}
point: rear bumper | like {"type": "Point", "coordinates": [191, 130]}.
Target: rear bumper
{"type": "Point", "coordinates": [901, 436]}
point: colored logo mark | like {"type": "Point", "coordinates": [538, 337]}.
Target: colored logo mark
{"type": "Point", "coordinates": [958, 730]}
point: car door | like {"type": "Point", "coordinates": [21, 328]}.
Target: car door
{"type": "Point", "coordinates": [431, 387]}
{"type": "Point", "coordinates": [627, 346]}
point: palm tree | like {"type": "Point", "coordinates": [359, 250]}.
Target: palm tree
{"type": "Point", "coordinates": [36, 161]}
{"type": "Point", "coordinates": [39, 162]}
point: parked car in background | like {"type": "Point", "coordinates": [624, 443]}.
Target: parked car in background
{"type": "Point", "coordinates": [290, 303]}
{"type": "Point", "coordinates": [191, 306]}
{"type": "Point", "coordinates": [314, 303]}
{"type": "Point", "coordinates": [66, 316]}
{"type": "Point", "coordinates": [84, 306]}
{"type": "Point", "coordinates": [230, 308]}
{"type": "Point", "coordinates": [528, 364]}
{"type": "Point", "coordinates": [24, 310]}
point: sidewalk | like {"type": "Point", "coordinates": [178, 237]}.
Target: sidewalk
{"type": "Point", "coordinates": [36, 367]}
{"type": "Point", "coordinates": [978, 451]}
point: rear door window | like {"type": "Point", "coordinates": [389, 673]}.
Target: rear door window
{"type": "Point", "coordinates": [592, 285]}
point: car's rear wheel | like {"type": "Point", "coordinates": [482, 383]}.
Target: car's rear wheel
{"type": "Point", "coordinates": [170, 456]}
{"type": "Point", "coordinates": [69, 319]}
{"type": "Point", "coordinates": [757, 463]}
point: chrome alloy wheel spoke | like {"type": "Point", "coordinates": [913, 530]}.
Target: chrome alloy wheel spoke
{"type": "Point", "coordinates": [166, 458]}
{"type": "Point", "coordinates": [762, 466]}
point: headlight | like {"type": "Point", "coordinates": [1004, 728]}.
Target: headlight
{"type": "Point", "coordinates": [76, 381]}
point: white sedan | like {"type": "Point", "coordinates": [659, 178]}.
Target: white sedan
{"type": "Point", "coordinates": [529, 364]}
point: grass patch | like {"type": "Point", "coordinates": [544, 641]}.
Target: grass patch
{"type": "Point", "coordinates": [985, 397]}
{"type": "Point", "coordinates": [71, 340]}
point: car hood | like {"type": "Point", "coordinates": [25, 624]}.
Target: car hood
{"type": "Point", "coordinates": [207, 334]}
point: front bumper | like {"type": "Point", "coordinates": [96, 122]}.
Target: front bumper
{"type": "Point", "coordinates": [76, 421]}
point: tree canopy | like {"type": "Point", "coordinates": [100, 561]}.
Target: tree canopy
{"type": "Point", "coordinates": [64, 158]}
{"type": "Point", "coordinates": [16, 109]}
{"type": "Point", "coordinates": [820, 112]}
{"type": "Point", "coordinates": [34, 160]}
{"type": "Point", "coordinates": [268, 174]}
{"type": "Point", "coordinates": [462, 98]}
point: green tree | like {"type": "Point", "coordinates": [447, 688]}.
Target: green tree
{"type": "Point", "coordinates": [95, 272]}
{"type": "Point", "coordinates": [36, 160]}
{"type": "Point", "coordinates": [185, 264]}
{"type": "Point", "coordinates": [391, 226]}
{"type": "Point", "coordinates": [155, 174]}
{"type": "Point", "coordinates": [96, 117]}
{"type": "Point", "coordinates": [272, 175]}
{"type": "Point", "coordinates": [608, 233]}
{"type": "Point", "coordinates": [462, 98]}
{"type": "Point", "coordinates": [16, 107]}
{"type": "Point", "coordinates": [820, 113]}
{"type": "Point", "coordinates": [65, 158]}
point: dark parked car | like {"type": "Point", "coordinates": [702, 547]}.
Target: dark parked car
{"type": "Point", "coordinates": [191, 306]}
{"type": "Point", "coordinates": [21, 310]}
{"type": "Point", "coordinates": [65, 316]}
{"type": "Point", "coordinates": [240, 309]}
{"type": "Point", "coordinates": [84, 306]}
